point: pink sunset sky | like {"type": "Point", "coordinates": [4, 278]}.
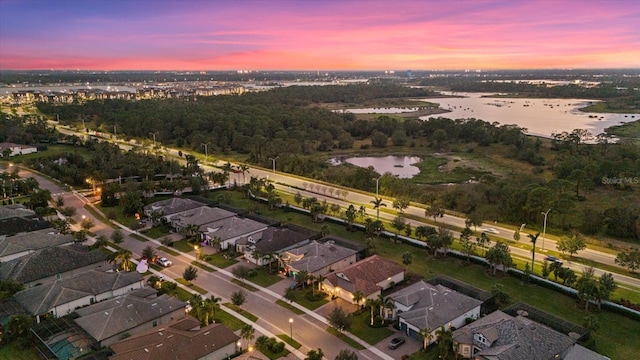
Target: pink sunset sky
{"type": "Point", "coordinates": [318, 34]}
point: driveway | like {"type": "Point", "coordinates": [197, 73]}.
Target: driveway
{"type": "Point", "coordinates": [326, 309]}
{"type": "Point", "coordinates": [409, 347]}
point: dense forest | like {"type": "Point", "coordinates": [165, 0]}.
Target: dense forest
{"type": "Point", "coordinates": [286, 122]}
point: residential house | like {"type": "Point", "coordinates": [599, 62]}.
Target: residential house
{"type": "Point", "coordinates": [426, 306]}
{"type": "Point", "coordinates": [499, 336]}
{"type": "Point", "coordinates": [111, 320]}
{"type": "Point", "coordinates": [369, 276]}
{"type": "Point", "coordinates": [53, 263]}
{"type": "Point", "coordinates": [13, 247]}
{"type": "Point", "coordinates": [318, 258]}
{"type": "Point", "coordinates": [63, 296]}
{"type": "Point", "coordinates": [273, 240]}
{"type": "Point", "coordinates": [16, 149]}
{"type": "Point", "coordinates": [167, 208]}
{"type": "Point", "coordinates": [198, 217]}
{"type": "Point", "coordinates": [227, 231]}
{"type": "Point", "coordinates": [182, 339]}
{"type": "Point", "coordinates": [15, 219]}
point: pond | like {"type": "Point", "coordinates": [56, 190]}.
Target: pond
{"type": "Point", "coordinates": [400, 166]}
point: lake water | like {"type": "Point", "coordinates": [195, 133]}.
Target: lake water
{"type": "Point", "coordinates": [539, 116]}
{"type": "Point", "coordinates": [390, 110]}
{"type": "Point", "coordinates": [401, 166]}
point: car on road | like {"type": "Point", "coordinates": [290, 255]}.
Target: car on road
{"type": "Point", "coordinates": [491, 230]}
{"type": "Point", "coordinates": [554, 259]}
{"type": "Point", "coordinates": [164, 262]}
{"type": "Point", "coordinates": [395, 342]}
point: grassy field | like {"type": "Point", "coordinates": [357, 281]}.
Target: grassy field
{"type": "Point", "coordinates": [10, 351]}
{"type": "Point", "coordinates": [263, 278]}
{"type": "Point", "coordinates": [360, 328]}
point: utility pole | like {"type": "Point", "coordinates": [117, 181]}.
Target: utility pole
{"type": "Point", "coordinates": [377, 184]}
{"type": "Point", "coordinates": [273, 162]}
{"type": "Point", "coordinates": [544, 227]}
{"type": "Point", "coordinates": [115, 132]}
{"type": "Point", "coordinates": [206, 150]}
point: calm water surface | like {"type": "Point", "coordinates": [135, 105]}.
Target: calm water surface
{"type": "Point", "coordinates": [401, 166]}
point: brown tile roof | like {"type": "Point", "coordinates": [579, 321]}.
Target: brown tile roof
{"type": "Point", "coordinates": [365, 275]}
{"type": "Point", "coordinates": [182, 340]}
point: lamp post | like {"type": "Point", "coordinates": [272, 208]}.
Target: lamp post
{"type": "Point", "coordinates": [197, 248]}
{"type": "Point", "coordinates": [154, 137]}
{"type": "Point", "coordinates": [291, 328]}
{"type": "Point", "coordinates": [206, 151]}
{"type": "Point", "coordinates": [377, 184]}
{"type": "Point", "coordinates": [544, 227]}
{"type": "Point", "coordinates": [273, 163]}
{"type": "Point", "coordinates": [238, 346]}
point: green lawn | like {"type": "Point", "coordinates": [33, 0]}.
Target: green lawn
{"type": "Point", "coordinates": [290, 307]}
{"type": "Point", "coordinates": [202, 266]}
{"type": "Point", "coordinates": [241, 311]}
{"type": "Point", "coordinates": [11, 351]}
{"type": "Point", "coordinates": [244, 285]}
{"type": "Point", "coordinates": [263, 278]}
{"type": "Point", "coordinates": [98, 216]}
{"type": "Point", "coordinates": [228, 320]}
{"type": "Point", "coordinates": [273, 356]}
{"type": "Point", "coordinates": [311, 305]}
{"type": "Point", "coordinates": [191, 286]}
{"type": "Point", "coordinates": [138, 237]}
{"type": "Point", "coordinates": [345, 338]}
{"type": "Point", "coordinates": [290, 341]}
{"type": "Point", "coordinates": [168, 251]}
{"type": "Point", "coordinates": [360, 328]}
{"type": "Point", "coordinates": [218, 260]}
{"type": "Point", "coordinates": [183, 246]}
{"type": "Point", "coordinates": [157, 232]}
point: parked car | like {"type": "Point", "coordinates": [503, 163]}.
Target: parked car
{"type": "Point", "coordinates": [395, 342]}
{"type": "Point", "coordinates": [164, 262]}
{"type": "Point", "coordinates": [554, 259]}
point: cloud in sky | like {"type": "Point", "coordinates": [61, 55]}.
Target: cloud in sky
{"type": "Point", "coordinates": [318, 34]}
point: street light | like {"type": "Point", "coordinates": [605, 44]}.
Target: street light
{"type": "Point", "coordinates": [238, 346]}
{"type": "Point", "coordinates": [273, 163]}
{"type": "Point", "coordinates": [377, 184]}
{"type": "Point", "coordinates": [197, 248]}
{"type": "Point", "coordinates": [291, 329]}
{"type": "Point", "coordinates": [154, 137]}
{"type": "Point", "coordinates": [544, 228]}
{"type": "Point", "coordinates": [206, 151]}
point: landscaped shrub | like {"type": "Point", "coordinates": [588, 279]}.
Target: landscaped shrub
{"type": "Point", "coordinates": [277, 347]}
{"type": "Point", "coordinates": [309, 295]}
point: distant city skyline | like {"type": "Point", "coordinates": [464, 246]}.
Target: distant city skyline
{"type": "Point", "coordinates": [318, 34]}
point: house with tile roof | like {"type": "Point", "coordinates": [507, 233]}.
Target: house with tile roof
{"type": "Point", "coordinates": [370, 276]}
{"type": "Point", "coordinates": [273, 240]}
{"type": "Point", "coordinates": [426, 306]}
{"type": "Point", "coordinates": [224, 233]}
{"type": "Point", "coordinates": [52, 263]}
{"type": "Point", "coordinates": [63, 296]}
{"type": "Point", "coordinates": [199, 216]}
{"type": "Point", "coordinates": [499, 336]}
{"type": "Point", "coordinates": [182, 339]}
{"type": "Point", "coordinates": [318, 258]}
{"type": "Point", "coordinates": [109, 321]}
{"type": "Point", "coordinates": [13, 247]}
{"type": "Point", "coordinates": [167, 208]}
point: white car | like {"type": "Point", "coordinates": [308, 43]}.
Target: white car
{"type": "Point", "coordinates": [164, 262]}
{"type": "Point", "coordinates": [491, 230]}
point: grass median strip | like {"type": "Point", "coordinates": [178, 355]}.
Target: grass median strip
{"type": "Point", "coordinates": [191, 286]}
{"type": "Point", "coordinates": [244, 285]}
{"type": "Point", "coordinates": [202, 266]}
{"type": "Point", "coordinates": [345, 338]}
{"type": "Point", "coordinates": [289, 341]}
{"type": "Point", "coordinates": [138, 237]}
{"type": "Point", "coordinates": [168, 251]}
{"type": "Point", "coordinates": [228, 320]}
{"type": "Point", "coordinates": [290, 307]}
{"type": "Point", "coordinates": [241, 311]}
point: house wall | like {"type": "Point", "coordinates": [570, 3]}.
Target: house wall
{"type": "Point", "coordinates": [222, 353]}
{"type": "Point", "coordinates": [465, 350]}
{"type": "Point", "coordinates": [385, 284]}
{"type": "Point", "coordinates": [166, 318]}
{"type": "Point", "coordinates": [224, 244]}
{"type": "Point", "coordinates": [68, 308]}
{"type": "Point", "coordinates": [337, 266]}
{"type": "Point", "coordinates": [457, 323]}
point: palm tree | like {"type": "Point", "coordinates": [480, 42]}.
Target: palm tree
{"type": "Point", "coordinates": [427, 336]}
{"type": "Point", "coordinates": [534, 239]}
{"type": "Point", "coordinates": [445, 342]}
{"type": "Point", "coordinates": [191, 230]}
{"type": "Point", "coordinates": [226, 168]}
{"type": "Point", "coordinates": [372, 304]}
{"type": "Point", "coordinates": [350, 214]}
{"type": "Point", "coordinates": [358, 296]}
{"type": "Point", "coordinates": [123, 257]}
{"type": "Point", "coordinates": [406, 260]}
{"type": "Point", "coordinates": [320, 278]}
{"type": "Point", "coordinates": [377, 202]}
{"type": "Point", "coordinates": [215, 301]}
{"type": "Point", "coordinates": [247, 333]}
{"type": "Point", "coordinates": [244, 168]}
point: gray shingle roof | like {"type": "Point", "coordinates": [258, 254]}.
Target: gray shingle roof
{"type": "Point", "coordinates": [517, 338]}
{"type": "Point", "coordinates": [231, 227]}
{"type": "Point", "coordinates": [118, 315]}
{"type": "Point", "coordinates": [432, 306]}
{"type": "Point", "coordinates": [49, 262]}
{"type": "Point", "coordinates": [13, 211]}
{"type": "Point", "coordinates": [173, 206]}
{"type": "Point", "coordinates": [183, 340]}
{"type": "Point", "coordinates": [277, 239]}
{"type": "Point", "coordinates": [30, 241]}
{"type": "Point", "coordinates": [200, 216]}
{"type": "Point", "coordinates": [319, 255]}
{"type": "Point", "coordinates": [43, 298]}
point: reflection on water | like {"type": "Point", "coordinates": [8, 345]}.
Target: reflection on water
{"type": "Point", "coordinates": [539, 116]}
{"type": "Point", "coordinates": [401, 166]}
{"type": "Point", "coordinates": [390, 110]}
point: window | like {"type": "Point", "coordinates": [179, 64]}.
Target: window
{"type": "Point", "coordinates": [155, 323]}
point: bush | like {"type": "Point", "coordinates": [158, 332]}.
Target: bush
{"type": "Point", "coordinates": [315, 297]}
